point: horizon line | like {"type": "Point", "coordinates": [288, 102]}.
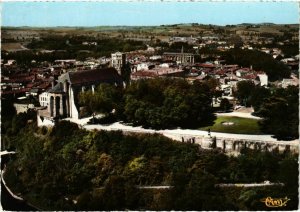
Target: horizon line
{"type": "Point", "coordinates": [84, 26]}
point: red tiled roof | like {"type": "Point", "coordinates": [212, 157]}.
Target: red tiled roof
{"type": "Point", "coordinates": [23, 90]}
{"type": "Point", "coordinates": [250, 76]}
{"type": "Point", "coordinates": [205, 65]}
{"type": "Point", "coordinates": [44, 85]}
{"type": "Point", "coordinates": [19, 80]}
{"type": "Point", "coordinates": [29, 85]}
{"type": "Point", "coordinates": [194, 70]}
{"type": "Point", "coordinates": [220, 72]}
{"type": "Point", "coordinates": [206, 70]}
{"type": "Point", "coordinates": [95, 75]}
{"type": "Point", "coordinates": [230, 66]}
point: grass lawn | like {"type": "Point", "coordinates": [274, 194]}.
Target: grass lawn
{"type": "Point", "coordinates": [240, 126]}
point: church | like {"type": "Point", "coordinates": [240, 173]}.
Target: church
{"type": "Point", "coordinates": [62, 101]}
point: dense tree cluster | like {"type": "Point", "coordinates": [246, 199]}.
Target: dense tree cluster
{"type": "Point", "coordinates": [105, 98]}
{"type": "Point", "coordinates": [76, 44]}
{"type": "Point", "coordinates": [66, 168]}
{"type": "Point", "coordinates": [225, 105]}
{"type": "Point", "coordinates": [171, 103]}
{"type": "Point", "coordinates": [8, 112]}
{"type": "Point", "coordinates": [259, 61]}
{"type": "Point", "coordinates": [244, 92]}
{"type": "Point", "coordinates": [159, 103]}
{"type": "Point", "coordinates": [180, 46]}
{"type": "Point", "coordinates": [278, 107]}
{"type": "Point", "coordinates": [288, 49]}
{"type": "Point", "coordinates": [70, 48]}
{"type": "Point", "coordinates": [280, 113]}
{"type": "Point", "coordinates": [25, 57]}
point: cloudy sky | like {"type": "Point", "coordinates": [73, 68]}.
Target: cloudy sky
{"type": "Point", "coordinates": [145, 13]}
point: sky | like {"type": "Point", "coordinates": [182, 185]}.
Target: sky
{"type": "Point", "coordinates": [51, 14]}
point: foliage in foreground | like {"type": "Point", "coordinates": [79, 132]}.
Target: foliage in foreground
{"type": "Point", "coordinates": [101, 171]}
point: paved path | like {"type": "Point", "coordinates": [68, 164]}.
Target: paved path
{"type": "Point", "coordinates": [222, 185]}
{"type": "Point", "coordinates": [239, 114]}
{"type": "Point", "coordinates": [154, 187]}
{"type": "Point", "coordinates": [5, 152]}
{"type": "Point", "coordinates": [178, 133]}
{"type": "Point", "coordinates": [4, 183]}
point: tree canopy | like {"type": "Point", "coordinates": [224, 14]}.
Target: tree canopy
{"type": "Point", "coordinates": [157, 103]}
{"type": "Point", "coordinates": [100, 170]}
{"type": "Point", "coordinates": [104, 99]}
{"type": "Point", "coordinates": [280, 113]}
{"type": "Point", "coordinates": [259, 61]}
{"type": "Point", "coordinates": [278, 107]}
{"type": "Point", "coordinates": [244, 91]}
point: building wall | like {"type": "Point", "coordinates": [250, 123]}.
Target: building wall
{"type": "Point", "coordinates": [44, 99]}
{"type": "Point", "coordinates": [142, 66]}
{"type": "Point", "coordinates": [118, 60]}
{"type": "Point", "coordinates": [73, 109]}
{"type": "Point", "coordinates": [22, 108]}
{"type": "Point", "coordinates": [232, 144]}
{"type": "Point", "coordinates": [263, 79]}
{"type": "Point", "coordinates": [179, 58]}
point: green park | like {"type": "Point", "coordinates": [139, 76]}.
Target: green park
{"type": "Point", "coordinates": [233, 124]}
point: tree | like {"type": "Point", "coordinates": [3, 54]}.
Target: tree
{"type": "Point", "coordinates": [105, 98]}
{"type": "Point", "coordinates": [125, 73]}
{"type": "Point", "coordinates": [280, 117]}
{"type": "Point", "coordinates": [244, 91]}
{"type": "Point", "coordinates": [259, 95]}
{"type": "Point", "coordinates": [83, 162]}
{"type": "Point", "coordinates": [225, 105]}
{"type": "Point", "coordinates": [259, 61]}
{"type": "Point", "coordinates": [64, 129]}
{"type": "Point", "coordinates": [114, 193]}
{"type": "Point", "coordinates": [200, 193]}
{"type": "Point", "coordinates": [20, 120]}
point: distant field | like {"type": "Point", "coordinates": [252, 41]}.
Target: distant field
{"type": "Point", "coordinates": [240, 126]}
{"type": "Point", "coordinates": [11, 46]}
{"type": "Point", "coordinates": [162, 32]}
{"type": "Point", "coordinates": [268, 29]}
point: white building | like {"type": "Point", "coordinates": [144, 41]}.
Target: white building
{"type": "Point", "coordinates": [144, 66]}
{"type": "Point", "coordinates": [263, 78]}
{"type": "Point", "coordinates": [22, 108]}
{"type": "Point", "coordinates": [164, 65]}
{"type": "Point", "coordinates": [227, 89]}
{"type": "Point", "coordinates": [155, 57]}
{"type": "Point", "coordinates": [44, 99]}
{"type": "Point", "coordinates": [242, 72]}
{"type": "Point", "coordinates": [287, 82]}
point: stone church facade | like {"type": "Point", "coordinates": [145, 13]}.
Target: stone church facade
{"type": "Point", "coordinates": [63, 97]}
